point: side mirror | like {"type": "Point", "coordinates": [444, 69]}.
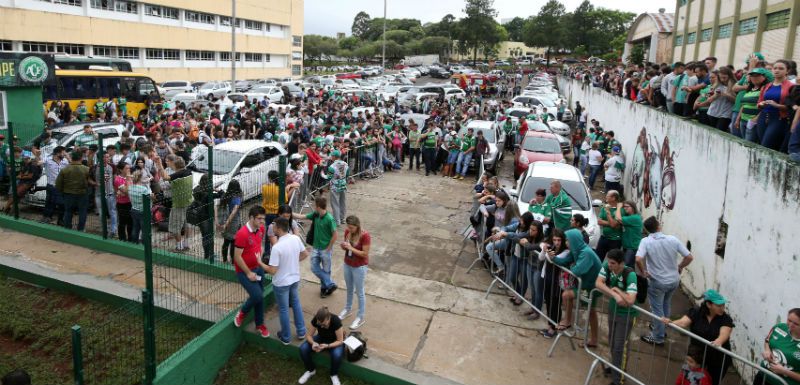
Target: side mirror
{"type": "Point", "coordinates": [246, 170]}
{"type": "Point", "coordinates": [597, 203]}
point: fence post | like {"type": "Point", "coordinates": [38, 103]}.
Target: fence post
{"type": "Point", "coordinates": [13, 168]}
{"type": "Point", "coordinates": [281, 180]}
{"type": "Point", "coordinates": [147, 241]}
{"type": "Point", "coordinates": [149, 337]}
{"type": "Point", "coordinates": [101, 181]}
{"type": "Point", "coordinates": [210, 203]}
{"type": "Point", "coordinates": [77, 355]}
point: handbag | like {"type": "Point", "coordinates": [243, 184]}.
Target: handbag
{"type": "Point", "coordinates": [310, 234]}
{"type": "Point", "coordinates": [194, 214]}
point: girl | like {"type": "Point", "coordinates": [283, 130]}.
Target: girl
{"type": "Point", "coordinates": [397, 138]}
{"type": "Point", "coordinates": [506, 219]}
{"type": "Point", "coordinates": [230, 222]}
{"type": "Point", "coordinates": [124, 221]}
{"type": "Point", "coordinates": [721, 100]}
{"type": "Point", "coordinates": [356, 246]}
{"type": "Point", "coordinates": [747, 117]}
{"type": "Point", "coordinates": [136, 189]}
{"type": "Point", "coordinates": [556, 247]}
{"type": "Point", "coordinates": [773, 122]}
{"type": "Point", "coordinates": [286, 212]}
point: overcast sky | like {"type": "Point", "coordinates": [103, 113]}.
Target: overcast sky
{"type": "Point", "coordinates": [327, 17]}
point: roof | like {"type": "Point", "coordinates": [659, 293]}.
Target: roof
{"type": "Point", "coordinates": [664, 22]}
{"type": "Point", "coordinates": [244, 145]}
{"type": "Point", "coordinates": [480, 124]}
{"type": "Point", "coordinates": [98, 73]}
{"type": "Point", "coordinates": [553, 170]}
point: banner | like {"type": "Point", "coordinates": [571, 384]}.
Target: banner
{"type": "Point", "coordinates": [19, 69]}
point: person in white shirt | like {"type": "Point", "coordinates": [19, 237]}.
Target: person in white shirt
{"type": "Point", "coordinates": [284, 265]}
{"type": "Point", "coordinates": [614, 167]}
{"type": "Point", "coordinates": [595, 164]}
{"type": "Point", "coordinates": [582, 119]}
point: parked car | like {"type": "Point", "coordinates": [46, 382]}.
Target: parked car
{"type": "Point", "coordinates": [212, 90]}
{"type": "Point", "coordinates": [501, 63]}
{"type": "Point", "coordinates": [185, 97]}
{"type": "Point", "coordinates": [536, 146]}
{"type": "Point", "coordinates": [439, 73]}
{"type": "Point", "coordinates": [493, 135]}
{"type": "Point", "coordinates": [540, 174]}
{"type": "Point", "coordinates": [243, 86]}
{"type": "Point", "coordinates": [274, 93]}
{"type": "Point", "coordinates": [290, 91]}
{"type": "Point", "coordinates": [247, 161]}
{"type": "Point", "coordinates": [181, 85]}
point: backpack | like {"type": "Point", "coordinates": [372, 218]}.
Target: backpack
{"type": "Point", "coordinates": [356, 354]}
{"type": "Point", "coordinates": [641, 284]}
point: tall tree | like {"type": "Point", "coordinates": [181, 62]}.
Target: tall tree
{"type": "Point", "coordinates": [546, 28]}
{"type": "Point", "coordinates": [478, 29]}
{"type": "Point", "coordinates": [514, 28]}
{"type": "Point", "coordinates": [360, 25]}
{"type": "Point", "coordinates": [581, 24]}
{"type": "Point", "coordinates": [315, 47]}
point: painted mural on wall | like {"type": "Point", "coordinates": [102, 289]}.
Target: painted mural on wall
{"type": "Point", "coordinates": [653, 179]}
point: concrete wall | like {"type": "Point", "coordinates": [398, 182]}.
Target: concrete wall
{"type": "Point", "coordinates": [692, 177]}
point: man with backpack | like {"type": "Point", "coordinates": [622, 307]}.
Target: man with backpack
{"type": "Point", "coordinates": [618, 282]}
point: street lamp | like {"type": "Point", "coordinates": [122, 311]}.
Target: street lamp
{"type": "Point", "coordinates": [233, 45]}
{"type": "Point", "coordinates": [383, 54]}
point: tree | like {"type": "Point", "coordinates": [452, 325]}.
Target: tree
{"type": "Point", "coordinates": [514, 28]}
{"type": "Point", "coordinates": [435, 45]}
{"type": "Point", "coordinates": [636, 56]}
{"type": "Point", "coordinates": [546, 28]}
{"type": "Point", "coordinates": [581, 24]}
{"type": "Point", "coordinates": [360, 24]}
{"type": "Point", "coordinates": [478, 29]}
{"type": "Point", "coordinates": [399, 36]}
{"type": "Point", "coordinates": [316, 46]}
{"type": "Point", "coordinates": [394, 51]}
{"type": "Point", "coordinates": [367, 51]}
{"type": "Point", "coordinates": [349, 43]}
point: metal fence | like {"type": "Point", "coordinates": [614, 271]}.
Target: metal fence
{"type": "Point", "coordinates": [627, 359]}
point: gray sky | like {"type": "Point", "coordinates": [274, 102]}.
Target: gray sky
{"type": "Point", "coordinates": [327, 17]}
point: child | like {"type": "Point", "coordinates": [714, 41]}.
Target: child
{"type": "Point", "coordinates": [693, 372]}
{"type": "Point", "coordinates": [230, 223]}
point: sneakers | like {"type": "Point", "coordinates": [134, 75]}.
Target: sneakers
{"type": "Point", "coordinates": [335, 380]}
{"type": "Point", "coordinates": [357, 323]}
{"type": "Point", "coordinates": [652, 341]}
{"type": "Point", "coordinates": [344, 314]}
{"type": "Point", "coordinates": [239, 319]}
{"type": "Point", "coordinates": [328, 291]}
{"type": "Point", "coordinates": [263, 330]}
{"type": "Point", "coordinates": [306, 376]}
{"type": "Point", "coordinates": [285, 342]}
{"type": "Point", "coordinates": [301, 338]}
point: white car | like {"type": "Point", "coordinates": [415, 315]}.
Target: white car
{"type": "Point", "coordinates": [457, 93]}
{"type": "Point", "coordinates": [185, 97]}
{"type": "Point", "coordinates": [180, 85]}
{"type": "Point", "coordinates": [540, 174]}
{"type": "Point", "coordinates": [493, 135]}
{"type": "Point", "coordinates": [214, 90]}
{"type": "Point", "coordinates": [274, 93]}
{"type": "Point", "coordinates": [346, 84]}
{"type": "Point", "coordinates": [247, 161]}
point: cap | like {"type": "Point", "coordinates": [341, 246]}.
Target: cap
{"type": "Point", "coordinates": [295, 156]}
{"type": "Point", "coordinates": [615, 149]}
{"type": "Point", "coordinates": [336, 153]}
{"type": "Point", "coordinates": [291, 125]}
{"type": "Point", "coordinates": [763, 72]}
{"type": "Point", "coordinates": [714, 297]}
{"type": "Point", "coordinates": [453, 133]}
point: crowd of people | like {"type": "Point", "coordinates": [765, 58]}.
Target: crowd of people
{"type": "Point", "coordinates": [756, 101]}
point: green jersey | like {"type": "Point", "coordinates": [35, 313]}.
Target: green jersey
{"type": "Point", "coordinates": [508, 127]}
{"type": "Point", "coordinates": [627, 285]}
{"type": "Point", "coordinates": [561, 207]}
{"type": "Point", "coordinates": [614, 234]}
{"type": "Point", "coordinates": [703, 97]}
{"type": "Point", "coordinates": [413, 138]}
{"type": "Point", "coordinates": [631, 231]}
{"type": "Point", "coordinates": [544, 117]}
{"type": "Point", "coordinates": [740, 94]}
{"type": "Point", "coordinates": [785, 350]}
{"type": "Point", "coordinates": [430, 140]}
{"type": "Point", "coordinates": [99, 107]}
{"type": "Point", "coordinates": [540, 211]}
{"type": "Point", "coordinates": [749, 106]}
{"type": "Point", "coordinates": [455, 144]}
{"type": "Point", "coordinates": [467, 142]}
{"type": "Point", "coordinates": [83, 113]}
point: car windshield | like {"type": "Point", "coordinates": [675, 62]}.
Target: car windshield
{"type": "Point", "coordinates": [174, 84]}
{"type": "Point", "coordinates": [487, 133]}
{"type": "Point", "coordinates": [519, 113]}
{"type": "Point", "coordinates": [547, 102]}
{"type": "Point", "coordinates": [59, 136]}
{"type": "Point", "coordinates": [541, 145]}
{"type": "Point", "coordinates": [575, 190]}
{"type": "Point", "coordinates": [224, 161]}
{"type": "Point", "coordinates": [536, 125]}
{"type": "Point", "coordinates": [207, 86]}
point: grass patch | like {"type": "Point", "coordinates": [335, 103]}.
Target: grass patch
{"type": "Point", "coordinates": [251, 365]}
{"type": "Point", "coordinates": [35, 336]}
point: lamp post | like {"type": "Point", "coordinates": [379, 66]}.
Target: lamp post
{"type": "Point", "coordinates": [233, 45]}
{"type": "Point", "coordinates": [383, 53]}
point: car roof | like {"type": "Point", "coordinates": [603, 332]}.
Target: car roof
{"type": "Point", "coordinates": [481, 124]}
{"type": "Point", "coordinates": [541, 134]}
{"type": "Point", "coordinates": [79, 127]}
{"type": "Point", "coordinates": [245, 145]}
{"type": "Point", "coordinates": [553, 170]}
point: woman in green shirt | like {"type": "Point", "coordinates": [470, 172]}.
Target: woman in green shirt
{"type": "Point", "coordinates": [631, 231]}
{"type": "Point", "coordinates": [782, 351]}
{"type": "Point", "coordinates": [702, 103]}
{"type": "Point", "coordinates": [748, 112]}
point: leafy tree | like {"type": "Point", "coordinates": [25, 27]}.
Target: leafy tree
{"type": "Point", "coordinates": [636, 55]}
{"type": "Point", "coordinates": [361, 25]}
{"type": "Point", "coordinates": [399, 36]}
{"type": "Point", "coordinates": [349, 43]}
{"type": "Point", "coordinates": [394, 51]}
{"type": "Point", "coordinates": [435, 45]}
{"type": "Point", "coordinates": [316, 46]}
{"type": "Point", "coordinates": [581, 24]}
{"type": "Point", "coordinates": [546, 28]}
{"type": "Point", "coordinates": [514, 28]}
{"type": "Point", "coordinates": [367, 51]}
{"type": "Point", "coordinates": [478, 29]}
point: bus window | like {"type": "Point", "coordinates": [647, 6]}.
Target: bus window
{"type": "Point", "coordinates": [146, 86]}
{"type": "Point", "coordinates": [109, 87]}
{"type": "Point", "coordinates": [121, 66]}
{"type": "Point", "coordinates": [50, 92]}
{"type": "Point", "coordinates": [78, 88]}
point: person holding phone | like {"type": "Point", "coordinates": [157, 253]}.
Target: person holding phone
{"type": "Point", "coordinates": [324, 334]}
{"type": "Point", "coordinates": [356, 245]}
{"type": "Point", "coordinates": [773, 119]}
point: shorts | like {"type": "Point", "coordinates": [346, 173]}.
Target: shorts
{"type": "Point", "coordinates": [452, 156]}
{"type": "Point", "coordinates": [177, 219]}
{"type": "Point", "coordinates": [583, 296]}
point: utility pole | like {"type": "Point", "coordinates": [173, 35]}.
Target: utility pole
{"type": "Point", "coordinates": [233, 45]}
{"type": "Point", "coordinates": [383, 54]}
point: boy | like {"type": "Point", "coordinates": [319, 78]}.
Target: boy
{"type": "Point", "coordinates": [693, 372]}
{"type": "Point", "coordinates": [619, 283]}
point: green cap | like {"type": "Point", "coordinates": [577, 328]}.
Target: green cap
{"type": "Point", "coordinates": [336, 153]}
{"type": "Point", "coordinates": [715, 297]}
{"type": "Point", "coordinates": [763, 72]}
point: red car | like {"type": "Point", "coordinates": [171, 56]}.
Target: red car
{"type": "Point", "coordinates": [536, 146]}
{"type": "Point", "coordinates": [348, 76]}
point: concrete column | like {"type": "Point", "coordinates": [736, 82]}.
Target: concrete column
{"type": "Point", "coordinates": [762, 24]}
{"type": "Point", "coordinates": [794, 19]}
{"type": "Point", "coordinates": [734, 30]}
{"type": "Point", "coordinates": [715, 30]}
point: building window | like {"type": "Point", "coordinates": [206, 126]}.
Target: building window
{"type": "Point", "coordinates": [267, 26]}
{"type": "Point", "coordinates": [5, 45]}
{"type": "Point", "coordinates": [72, 49]}
{"type": "Point", "coordinates": [226, 21]}
{"type": "Point", "coordinates": [254, 25]}
{"type": "Point", "coordinates": [76, 3]}
{"type": "Point", "coordinates": [777, 20]}
{"type": "Point", "coordinates": [200, 55]}
{"type": "Point", "coordinates": [297, 41]}
{"type": "Point", "coordinates": [748, 26]}
{"type": "Point", "coordinates": [128, 53]}
{"type": "Point", "coordinates": [106, 5]}
{"type": "Point", "coordinates": [253, 57]}
{"type": "Point", "coordinates": [724, 31]}
{"type": "Point", "coordinates": [226, 56]}
{"type": "Point", "coordinates": [297, 69]}
{"type": "Point", "coordinates": [705, 35]}
{"type": "Point", "coordinates": [683, 2]}
{"type": "Point", "coordinates": [199, 17]}
{"type": "Point", "coordinates": [172, 54]}
{"type": "Point", "coordinates": [103, 50]}
{"type": "Point", "coordinates": [159, 11]}
{"type": "Point", "coordinates": [125, 6]}
{"type": "Point", "coordinates": [266, 58]}
{"type": "Point", "coordinates": [678, 41]}
{"type": "Point", "coordinates": [297, 55]}
{"type": "Point", "coordinates": [691, 38]}
{"type": "Point", "coordinates": [3, 111]}
{"type": "Point", "coordinates": [32, 46]}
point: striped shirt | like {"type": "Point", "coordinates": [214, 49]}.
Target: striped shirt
{"type": "Point", "coordinates": [136, 193]}
{"type": "Point", "coordinates": [52, 168]}
{"type": "Point", "coordinates": [749, 104]}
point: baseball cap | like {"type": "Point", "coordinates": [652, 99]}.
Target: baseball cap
{"type": "Point", "coordinates": [714, 297]}
{"type": "Point", "coordinates": [763, 72]}
{"type": "Point", "coordinates": [336, 153]}
{"type": "Point", "coordinates": [615, 149]}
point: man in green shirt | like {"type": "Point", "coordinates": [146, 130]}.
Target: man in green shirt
{"type": "Point", "coordinates": [82, 111]}
{"type": "Point", "coordinates": [100, 109]}
{"type": "Point", "coordinates": [611, 236]}
{"type": "Point", "coordinates": [618, 282]}
{"type": "Point", "coordinates": [86, 138]}
{"type": "Point", "coordinates": [180, 185]}
{"type": "Point", "coordinates": [782, 351]}
{"type": "Point", "coordinates": [468, 143]}
{"type": "Point", "coordinates": [544, 116]}
{"type": "Point", "coordinates": [430, 140]}
{"type": "Point", "coordinates": [539, 208]}
{"type": "Point", "coordinates": [323, 226]}
{"type": "Point", "coordinates": [560, 205]}
{"type": "Point", "coordinates": [631, 230]}
{"type": "Point", "coordinates": [413, 145]}
{"type": "Point", "coordinates": [73, 184]}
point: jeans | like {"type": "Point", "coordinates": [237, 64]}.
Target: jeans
{"type": "Point", "coordinates": [255, 291]}
{"type": "Point", "coordinates": [429, 157]}
{"type": "Point", "coordinates": [515, 275]}
{"type": "Point", "coordinates": [737, 132]}
{"type": "Point", "coordinates": [659, 295]}
{"type": "Point", "coordinates": [136, 218]}
{"type": "Point", "coordinates": [207, 237]}
{"type": "Point", "coordinates": [604, 245]}
{"type": "Point", "coordinates": [494, 249]}
{"type": "Point", "coordinates": [584, 162]}
{"type": "Point", "coordinates": [630, 258]}
{"type": "Point", "coordinates": [593, 174]}
{"type": "Point", "coordinates": [354, 278]}
{"type": "Point", "coordinates": [576, 155]}
{"type": "Point", "coordinates": [338, 201]}
{"type": "Point", "coordinates": [72, 201]}
{"type": "Point", "coordinates": [336, 356]}
{"type": "Point", "coordinates": [771, 130]}
{"type": "Point", "coordinates": [53, 203]}
{"type": "Point", "coordinates": [462, 163]}
{"type": "Point", "coordinates": [286, 296]}
{"type": "Point", "coordinates": [413, 153]}
{"type": "Point", "coordinates": [321, 267]}
{"type": "Point", "coordinates": [111, 206]}
{"type": "Point", "coordinates": [452, 156]}
{"type": "Point", "coordinates": [619, 330]}
{"type": "Point", "coordinates": [537, 284]}
{"type": "Point", "coordinates": [670, 107]}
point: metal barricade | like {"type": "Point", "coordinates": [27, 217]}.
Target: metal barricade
{"type": "Point", "coordinates": [630, 360]}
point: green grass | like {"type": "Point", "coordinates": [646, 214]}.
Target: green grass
{"type": "Point", "coordinates": [251, 365]}
{"type": "Point", "coordinates": [35, 336]}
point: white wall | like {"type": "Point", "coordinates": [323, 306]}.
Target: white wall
{"type": "Point", "coordinates": [714, 176]}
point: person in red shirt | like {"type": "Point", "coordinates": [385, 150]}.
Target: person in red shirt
{"type": "Point", "coordinates": [693, 372]}
{"type": "Point", "coordinates": [356, 247]}
{"type": "Point", "coordinates": [249, 267]}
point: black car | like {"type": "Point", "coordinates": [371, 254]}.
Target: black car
{"type": "Point", "coordinates": [440, 73]}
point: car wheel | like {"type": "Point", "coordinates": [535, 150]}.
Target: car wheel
{"type": "Point", "coordinates": [210, 96]}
